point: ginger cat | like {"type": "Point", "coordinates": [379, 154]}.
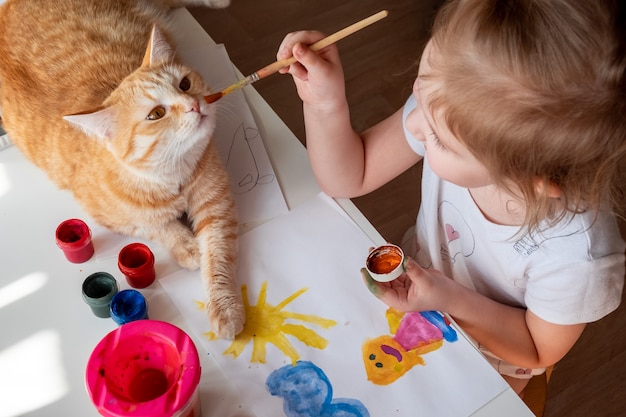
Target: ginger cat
{"type": "Point", "coordinates": [124, 128]}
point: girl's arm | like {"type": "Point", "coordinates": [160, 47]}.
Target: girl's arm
{"type": "Point", "coordinates": [514, 334]}
{"type": "Point", "coordinates": [345, 163]}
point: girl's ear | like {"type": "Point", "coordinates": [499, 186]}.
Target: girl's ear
{"type": "Point", "coordinates": [547, 188]}
{"type": "Point", "coordinates": [98, 123]}
{"type": "Point", "coordinates": [158, 50]}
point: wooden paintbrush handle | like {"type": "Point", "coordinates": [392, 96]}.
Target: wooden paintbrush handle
{"type": "Point", "coordinates": [323, 43]}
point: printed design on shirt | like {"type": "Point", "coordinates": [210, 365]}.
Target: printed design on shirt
{"type": "Point", "coordinates": [460, 240]}
{"type": "Point", "coordinates": [527, 245]}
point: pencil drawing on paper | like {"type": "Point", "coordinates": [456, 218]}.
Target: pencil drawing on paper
{"type": "Point", "coordinates": [307, 391]}
{"type": "Point", "coordinates": [266, 323]}
{"type": "Point", "coordinates": [388, 357]}
{"type": "Point", "coordinates": [246, 174]}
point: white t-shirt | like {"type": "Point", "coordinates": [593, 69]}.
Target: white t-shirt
{"type": "Point", "coordinates": [571, 273]}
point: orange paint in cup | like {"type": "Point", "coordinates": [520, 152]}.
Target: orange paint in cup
{"type": "Point", "coordinates": [384, 263]}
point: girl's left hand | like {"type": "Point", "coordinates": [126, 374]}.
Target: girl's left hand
{"type": "Point", "coordinates": [417, 289]}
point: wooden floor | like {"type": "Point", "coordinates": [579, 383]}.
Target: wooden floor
{"type": "Point", "coordinates": [380, 65]}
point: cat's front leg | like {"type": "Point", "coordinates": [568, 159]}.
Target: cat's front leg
{"type": "Point", "coordinates": [214, 221]}
{"type": "Point", "coordinates": [224, 304]}
{"type": "Point", "coordinates": [213, 218]}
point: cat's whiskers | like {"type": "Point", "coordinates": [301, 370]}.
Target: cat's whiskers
{"type": "Point", "coordinates": [226, 108]}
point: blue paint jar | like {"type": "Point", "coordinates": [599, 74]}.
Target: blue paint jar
{"type": "Point", "coordinates": [127, 306]}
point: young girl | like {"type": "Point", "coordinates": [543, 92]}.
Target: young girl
{"type": "Point", "coordinates": [518, 112]}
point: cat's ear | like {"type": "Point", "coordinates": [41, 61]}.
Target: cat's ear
{"type": "Point", "coordinates": [100, 123]}
{"type": "Point", "coordinates": [158, 50]}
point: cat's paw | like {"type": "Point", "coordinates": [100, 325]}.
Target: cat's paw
{"type": "Point", "coordinates": [227, 316]}
{"type": "Point", "coordinates": [187, 253]}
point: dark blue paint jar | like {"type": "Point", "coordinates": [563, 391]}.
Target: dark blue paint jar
{"type": "Point", "coordinates": [127, 306]}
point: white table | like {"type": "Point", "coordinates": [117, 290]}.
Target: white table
{"type": "Point", "coordinates": [48, 333]}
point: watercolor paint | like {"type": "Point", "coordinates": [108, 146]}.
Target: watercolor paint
{"type": "Point", "coordinates": [98, 290]}
{"type": "Point", "coordinates": [385, 263]}
{"type": "Point", "coordinates": [73, 237]}
{"type": "Point", "coordinates": [389, 357]}
{"type": "Point", "coordinates": [145, 368]}
{"type": "Point", "coordinates": [127, 306]}
{"type": "Point", "coordinates": [304, 387]}
{"type": "Point", "coordinates": [267, 323]}
{"type": "Point", "coordinates": [136, 262]}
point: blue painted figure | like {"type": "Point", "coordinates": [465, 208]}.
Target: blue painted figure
{"type": "Point", "coordinates": [307, 392]}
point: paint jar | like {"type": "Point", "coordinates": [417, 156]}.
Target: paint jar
{"type": "Point", "coordinates": [385, 263]}
{"type": "Point", "coordinates": [145, 368]}
{"type": "Point", "coordinates": [98, 290]}
{"type": "Point", "coordinates": [73, 237]}
{"type": "Point", "coordinates": [127, 306]}
{"type": "Point", "coordinates": [136, 262]}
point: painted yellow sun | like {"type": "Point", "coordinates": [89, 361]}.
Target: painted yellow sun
{"type": "Point", "coordinates": [266, 323]}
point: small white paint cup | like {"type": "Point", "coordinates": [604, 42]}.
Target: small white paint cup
{"type": "Point", "coordinates": [385, 263]}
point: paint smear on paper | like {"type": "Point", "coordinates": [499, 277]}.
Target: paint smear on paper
{"type": "Point", "coordinates": [388, 357]}
{"type": "Point", "coordinates": [306, 391]}
{"type": "Point", "coordinates": [266, 323]}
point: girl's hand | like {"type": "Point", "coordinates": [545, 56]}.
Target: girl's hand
{"type": "Point", "coordinates": [417, 289]}
{"type": "Point", "coordinates": [318, 75]}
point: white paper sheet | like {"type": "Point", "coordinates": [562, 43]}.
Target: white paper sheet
{"type": "Point", "coordinates": [316, 248]}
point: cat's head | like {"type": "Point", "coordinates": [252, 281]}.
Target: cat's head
{"type": "Point", "coordinates": [157, 114]}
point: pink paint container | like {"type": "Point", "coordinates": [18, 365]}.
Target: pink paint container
{"type": "Point", "coordinates": [145, 368]}
{"type": "Point", "coordinates": [136, 262]}
{"type": "Point", "coordinates": [73, 237]}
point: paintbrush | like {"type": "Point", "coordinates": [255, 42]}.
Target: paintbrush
{"type": "Point", "coordinates": [317, 46]}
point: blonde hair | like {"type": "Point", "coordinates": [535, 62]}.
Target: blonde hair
{"type": "Point", "coordinates": [536, 90]}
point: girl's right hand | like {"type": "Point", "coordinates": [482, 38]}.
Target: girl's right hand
{"type": "Point", "coordinates": [318, 75]}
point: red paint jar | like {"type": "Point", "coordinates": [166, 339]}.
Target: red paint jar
{"type": "Point", "coordinates": [136, 262]}
{"type": "Point", "coordinates": [73, 237]}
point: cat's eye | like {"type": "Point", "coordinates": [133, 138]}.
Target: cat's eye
{"type": "Point", "coordinates": [156, 113]}
{"type": "Point", "coordinates": [185, 84]}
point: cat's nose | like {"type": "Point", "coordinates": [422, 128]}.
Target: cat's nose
{"type": "Point", "coordinates": [195, 107]}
